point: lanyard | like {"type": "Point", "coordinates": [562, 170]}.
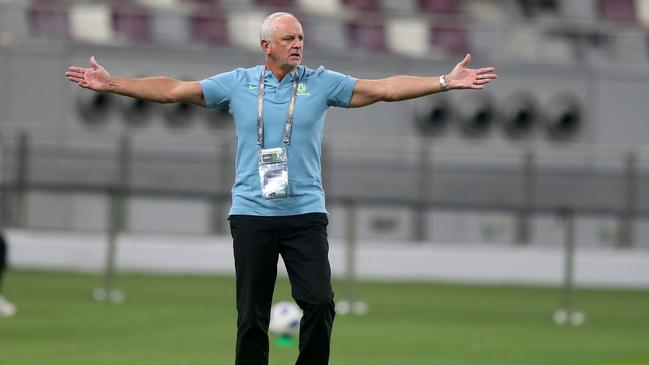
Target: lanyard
{"type": "Point", "coordinates": [288, 126]}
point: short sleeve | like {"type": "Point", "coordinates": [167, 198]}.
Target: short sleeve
{"type": "Point", "coordinates": [339, 87]}
{"type": "Point", "coordinates": [218, 89]}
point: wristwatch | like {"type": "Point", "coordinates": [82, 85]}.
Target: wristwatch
{"type": "Point", "coordinates": [442, 83]}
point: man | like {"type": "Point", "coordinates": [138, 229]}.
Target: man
{"type": "Point", "coordinates": [277, 199]}
{"type": "Point", "coordinates": [7, 309]}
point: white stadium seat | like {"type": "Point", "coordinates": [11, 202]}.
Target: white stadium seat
{"type": "Point", "coordinates": [408, 36]}
{"type": "Point", "coordinates": [162, 4]}
{"type": "Point", "coordinates": [642, 12]}
{"type": "Point", "coordinates": [91, 22]}
{"type": "Point", "coordinates": [320, 6]}
{"type": "Point", "coordinates": [244, 28]}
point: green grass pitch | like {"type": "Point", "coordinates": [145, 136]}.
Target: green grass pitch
{"type": "Point", "coordinates": [190, 320]}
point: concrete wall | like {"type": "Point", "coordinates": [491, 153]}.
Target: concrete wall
{"type": "Point", "coordinates": [471, 262]}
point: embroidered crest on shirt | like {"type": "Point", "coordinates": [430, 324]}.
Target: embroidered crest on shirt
{"type": "Point", "coordinates": [301, 90]}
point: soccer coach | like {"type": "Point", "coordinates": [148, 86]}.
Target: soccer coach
{"type": "Point", "coordinates": [278, 204]}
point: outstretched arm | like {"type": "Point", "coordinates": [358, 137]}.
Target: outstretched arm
{"type": "Point", "coordinates": [397, 88]}
{"type": "Point", "coordinates": [156, 89]}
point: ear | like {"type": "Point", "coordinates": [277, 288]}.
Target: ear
{"type": "Point", "coordinates": [265, 46]}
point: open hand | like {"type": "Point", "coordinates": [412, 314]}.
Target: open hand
{"type": "Point", "coordinates": [463, 77]}
{"type": "Point", "coordinates": [94, 78]}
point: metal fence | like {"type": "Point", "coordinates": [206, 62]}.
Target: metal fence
{"type": "Point", "coordinates": [404, 189]}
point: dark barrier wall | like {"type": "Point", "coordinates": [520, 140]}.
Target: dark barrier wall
{"type": "Point", "coordinates": [612, 100]}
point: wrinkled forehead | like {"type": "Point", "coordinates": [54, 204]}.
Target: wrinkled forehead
{"type": "Point", "coordinates": [286, 25]}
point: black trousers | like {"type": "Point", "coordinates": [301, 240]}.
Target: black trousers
{"type": "Point", "coordinates": [302, 242]}
{"type": "Point", "coordinates": [3, 258]}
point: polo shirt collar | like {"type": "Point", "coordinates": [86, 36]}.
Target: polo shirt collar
{"type": "Point", "coordinates": [287, 79]}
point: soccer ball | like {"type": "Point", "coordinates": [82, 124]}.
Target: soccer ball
{"type": "Point", "coordinates": [285, 318]}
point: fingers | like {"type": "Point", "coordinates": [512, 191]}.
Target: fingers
{"type": "Point", "coordinates": [481, 82]}
{"type": "Point", "coordinates": [77, 69]}
{"type": "Point", "coordinates": [81, 82]}
{"type": "Point", "coordinates": [76, 72]}
{"type": "Point", "coordinates": [487, 76]}
{"type": "Point", "coordinates": [485, 70]}
{"type": "Point", "coordinates": [77, 75]}
{"type": "Point", "coordinates": [75, 79]}
{"type": "Point", "coordinates": [466, 60]}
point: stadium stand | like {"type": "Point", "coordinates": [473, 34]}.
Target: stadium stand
{"type": "Point", "coordinates": [244, 28]}
{"type": "Point", "coordinates": [277, 4]}
{"type": "Point", "coordinates": [209, 26]}
{"type": "Point", "coordinates": [131, 21]}
{"type": "Point", "coordinates": [412, 29]}
{"type": "Point", "coordinates": [13, 20]}
{"type": "Point", "coordinates": [439, 6]}
{"type": "Point", "coordinates": [550, 30]}
{"type": "Point", "coordinates": [449, 39]}
{"type": "Point", "coordinates": [367, 36]}
{"type": "Point", "coordinates": [201, 3]}
{"type": "Point", "coordinates": [49, 19]}
{"type": "Point", "coordinates": [642, 9]}
{"type": "Point", "coordinates": [582, 10]}
{"type": "Point", "coordinates": [327, 33]}
{"type": "Point", "coordinates": [161, 4]}
{"type": "Point", "coordinates": [171, 26]}
{"type": "Point", "coordinates": [363, 5]}
{"type": "Point", "coordinates": [396, 7]}
{"type": "Point", "coordinates": [329, 7]}
{"type": "Point", "coordinates": [91, 22]}
{"type": "Point", "coordinates": [617, 10]}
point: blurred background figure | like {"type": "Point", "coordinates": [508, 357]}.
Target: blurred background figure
{"type": "Point", "coordinates": [7, 309]}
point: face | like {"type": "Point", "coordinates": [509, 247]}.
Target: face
{"type": "Point", "coordinates": [287, 43]}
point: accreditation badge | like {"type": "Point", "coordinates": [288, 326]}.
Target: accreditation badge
{"type": "Point", "coordinates": [273, 173]}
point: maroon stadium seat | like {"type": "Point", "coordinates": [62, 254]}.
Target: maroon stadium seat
{"type": "Point", "coordinates": [49, 19]}
{"type": "Point", "coordinates": [131, 21]}
{"type": "Point", "coordinates": [202, 2]}
{"type": "Point", "coordinates": [438, 6]}
{"type": "Point", "coordinates": [369, 36]}
{"type": "Point", "coordinates": [453, 40]}
{"type": "Point", "coordinates": [276, 3]}
{"type": "Point", "coordinates": [209, 27]}
{"type": "Point", "coordinates": [208, 24]}
{"type": "Point", "coordinates": [617, 10]}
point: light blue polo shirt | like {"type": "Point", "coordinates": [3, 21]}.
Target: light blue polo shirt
{"type": "Point", "coordinates": [317, 91]}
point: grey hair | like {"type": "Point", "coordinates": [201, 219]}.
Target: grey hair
{"type": "Point", "coordinates": [266, 31]}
